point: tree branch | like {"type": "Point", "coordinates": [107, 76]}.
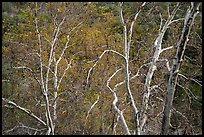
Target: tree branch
{"type": "Point", "coordinates": [136, 75]}
{"type": "Point", "coordinates": [91, 108]}
{"type": "Point", "coordinates": [68, 66]}
{"type": "Point", "coordinates": [121, 13]}
{"type": "Point", "coordinates": [120, 113]}
{"type": "Point", "coordinates": [167, 63]}
{"type": "Point", "coordinates": [190, 79]}
{"type": "Point", "coordinates": [87, 80]}
{"type": "Point", "coordinates": [24, 110]}
{"type": "Point", "coordinates": [162, 50]}
{"type": "Point", "coordinates": [40, 55]}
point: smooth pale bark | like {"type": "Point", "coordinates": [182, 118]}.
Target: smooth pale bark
{"type": "Point", "coordinates": [126, 44]}
{"type": "Point", "coordinates": [181, 46]}
{"type": "Point", "coordinates": [158, 50]}
{"type": "Point", "coordinates": [91, 69]}
{"type": "Point", "coordinates": [120, 113]}
{"type": "Point", "coordinates": [45, 81]}
{"type": "Point", "coordinates": [12, 104]}
{"type": "Point", "coordinates": [44, 84]}
{"type": "Point", "coordinates": [52, 62]}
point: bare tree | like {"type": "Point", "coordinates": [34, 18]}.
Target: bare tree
{"type": "Point", "coordinates": [46, 72]}
{"type": "Point", "coordinates": [127, 38]}
{"type": "Point", "coordinates": [126, 42]}
{"type": "Point", "coordinates": [57, 78]}
{"type": "Point", "coordinates": [152, 67]}
{"type": "Point", "coordinates": [191, 13]}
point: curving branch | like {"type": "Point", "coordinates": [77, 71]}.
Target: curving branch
{"type": "Point", "coordinates": [12, 104]}
{"type": "Point", "coordinates": [120, 113]}
{"type": "Point", "coordinates": [90, 70]}
{"type": "Point", "coordinates": [195, 80]}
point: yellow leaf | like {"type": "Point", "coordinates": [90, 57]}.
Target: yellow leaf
{"type": "Point", "coordinates": [59, 10]}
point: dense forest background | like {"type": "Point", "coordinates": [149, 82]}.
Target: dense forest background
{"type": "Point", "coordinates": [58, 61]}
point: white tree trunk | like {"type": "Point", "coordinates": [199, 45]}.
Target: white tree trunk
{"type": "Point", "coordinates": [126, 43]}
{"type": "Point", "coordinates": [153, 67]}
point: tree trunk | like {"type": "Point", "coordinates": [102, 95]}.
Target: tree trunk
{"type": "Point", "coordinates": [181, 46]}
{"type": "Point", "coordinates": [153, 67]}
{"type": "Point", "coordinates": [126, 42]}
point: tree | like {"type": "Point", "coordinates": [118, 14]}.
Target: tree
{"type": "Point", "coordinates": [158, 50]}
{"type": "Point", "coordinates": [49, 61]}
{"type": "Point", "coordinates": [126, 43]}
{"type": "Point", "coordinates": [181, 46]}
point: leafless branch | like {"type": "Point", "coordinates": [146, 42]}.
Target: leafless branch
{"type": "Point", "coordinates": [121, 13]}
{"type": "Point", "coordinates": [23, 126]}
{"type": "Point", "coordinates": [68, 66]}
{"type": "Point", "coordinates": [167, 63]}
{"type": "Point", "coordinates": [56, 33]}
{"type": "Point", "coordinates": [160, 27]}
{"type": "Point", "coordinates": [168, 9]}
{"type": "Point", "coordinates": [92, 107]}
{"type": "Point", "coordinates": [136, 75]}
{"type": "Point", "coordinates": [40, 48]}
{"type": "Point", "coordinates": [181, 114]}
{"type": "Point", "coordinates": [120, 113]}
{"type": "Point", "coordinates": [116, 123]}
{"type": "Point", "coordinates": [49, 124]}
{"type": "Point", "coordinates": [195, 80]}
{"type": "Point", "coordinates": [87, 80]}
{"type": "Point", "coordinates": [24, 110]}
{"type": "Point", "coordinates": [198, 36]}
{"type": "Point", "coordinates": [162, 50]}
{"type": "Point", "coordinates": [177, 20]}
{"type": "Point", "coordinates": [132, 24]}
